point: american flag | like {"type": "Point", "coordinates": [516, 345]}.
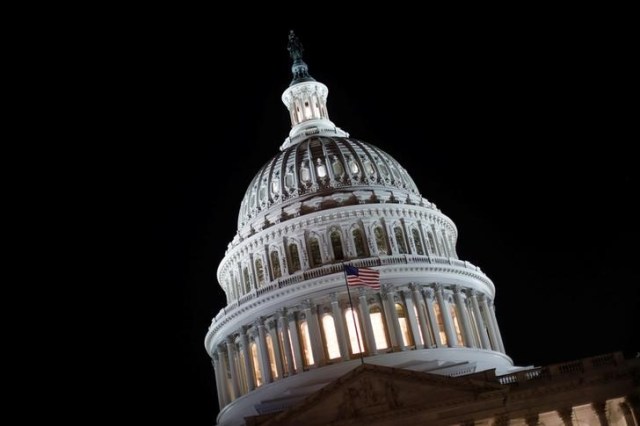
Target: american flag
{"type": "Point", "coordinates": [362, 276]}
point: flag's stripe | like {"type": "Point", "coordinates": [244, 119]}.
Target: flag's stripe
{"type": "Point", "coordinates": [363, 276]}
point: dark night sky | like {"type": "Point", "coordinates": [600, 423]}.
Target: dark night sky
{"type": "Point", "coordinates": [516, 131]}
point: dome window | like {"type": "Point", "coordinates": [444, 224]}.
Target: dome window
{"type": "Point", "coordinates": [289, 181]}
{"type": "Point", "coordinates": [259, 271]}
{"type": "Point", "coordinates": [314, 251]}
{"type": "Point", "coordinates": [338, 170]}
{"type": "Point", "coordinates": [377, 323]}
{"type": "Point", "coordinates": [336, 245]}
{"type": "Point", "coordinates": [381, 241]}
{"type": "Point", "coordinates": [383, 170]}
{"type": "Point", "coordinates": [358, 242]}
{"type": "Point", "coordinates": [368, 168]}
{"type": "Point", "coordinates": [353, 166]}
{"type": "Point", "coordinates": [402, 246]}
{"type": "Point", "coordinates": [263, 193]}
{"type": "Point", "coordinates": [294, 257]}
{"type": "Point", "coordinates": [275, 265]}
{"type": "Point", "coordinates": [275, 186]}
{"type": "Point", "coordinates": [305, 176]}
{"type": "Point", "coordinates": [417, 241]}
{"type": "Point", "coordinates": [321, 170]}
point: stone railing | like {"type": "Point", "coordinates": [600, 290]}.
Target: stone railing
{"type": "Point", "coordinates": [567, 368]}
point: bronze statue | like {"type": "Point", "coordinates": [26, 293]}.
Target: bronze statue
{"type": "Point", "coordinates": [295, 47]}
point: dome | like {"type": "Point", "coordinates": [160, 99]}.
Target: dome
{"type": "Point", "coordinates": [322, 166]}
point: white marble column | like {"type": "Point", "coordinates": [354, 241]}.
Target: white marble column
{"type": "Point", "coordinates": [224, 378]}
{"type": "Point", "coordinates": [413, 321]}
{"type": "Point", "coordinates": [231, 353]}
{"type": "Point", "coordinates": [338, 320]}
{"type": "Point", "coordinates": [275, 342]}
{"type": "Point", "coordinates": [388, 297]}
{"type": "Point", "coordinates": [314, 332]}
{"type": "Point", "coordinates": [492, 311]}
{"type": "Point", "coordinates": [452, 339]}
{"type": "Point", "coordinates": [482, 328]}
{"type": "Point", "coordinates": [295, 341]}
{"type": "Point", "coordinates": [461, 307]}
{"type": "Point", "coordinates": [263, 353]}
{"type": "Point", "coordinates": [284, 329]}
{"type": "Point", "coordinates": [248, 367]}
{"type": "Point", "coordinates": [368, 338]}
{"type": "Point", "coordinates": [215, 360]}
{"type": "Point", "coordinates": [422, 316]}
{"type": "Point", "coordinates": [487, 317]}
{"type": "Point", "coordinates": [431, 313]}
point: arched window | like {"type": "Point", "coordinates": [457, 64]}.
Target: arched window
{"type": "Point", "coordinates": [358, 242]}
{"type": "Point", "coordinates": [314, 252]}
{"type": "Point", "coordinates": [330, 336]}
{"type": "Point", "coordinates": [247, 281]}
{"type": "Point", "coordinates": [306, 343]}
{"type": "Point", "coordinates": [377, 323]}
{"type": "Point", "coordinates": [443, 335]}
{"type": "Point", "coordinates": [381, 240]}
{"type": "Point", "coordinates": [294, 257]}
{"type": "Point", "coordinates": [456, 325]}
{"type": "Point", "coordinates": [402, 245]}
{"type": "Point", "coordinates": [259, 271]}
{"type": "Point", "coordinates": [432, 244]}
{"type": "Point", "coordinates": [305, 176]}
{"type": "Point", "coordinates": [417, 241]}
{"type": "Point", "coordinates": [368, 167]}
{"type": "Point", "coordinates": [355, 333]}
{"type": "Point", "coordinates": [321, 170]}
{"type": "Point", "coordinates": [275, 265]}
{"type": "Point", "coordinates": [257, 373]}
{"type": "Point", "coordinates": [275, 185]}
{"type": "Point", "coordinates": [336, 244]}
{"type": "Point", "coordinates": [272, 357]}
{"type": "Point", "coordinates": [353, 166]}
{"type": "Point", "coordinates": [404, 325]}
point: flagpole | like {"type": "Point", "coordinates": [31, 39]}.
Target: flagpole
{"type": "Point", "coordinates": [353, 315]}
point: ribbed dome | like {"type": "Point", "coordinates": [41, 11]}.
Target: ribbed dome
{"type": "Point", "coordinates": [320, 166]}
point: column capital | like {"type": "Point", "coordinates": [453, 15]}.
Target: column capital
{"type": "Point", "coordinates": [458, 289]}
{"type": "Point", "coordinates": [362, 292]}
{"type": "Point", "coordinates": [428, 293]}
{"type": "Point", "coordinates": [414, 286]}
{"type": "Point", "coordinates": [438, 287]}
{"type": "Point", "coordinates": [387, 288]}
{"type": "Point", "coordinates": [271, 323]}
{"type": "Point", "coordinates": [229, 340]}
{"type": "Point", "coordinates": [291, 315]}
{"type": "Point", "coordinates": [306, 304]}
{"type": "Point", "coordinates": [333, 297]}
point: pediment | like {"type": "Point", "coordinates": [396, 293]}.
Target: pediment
{"type": "Point", "coordinates": [370, 390]}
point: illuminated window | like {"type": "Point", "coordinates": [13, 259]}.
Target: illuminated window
{"type": "Point", "coordinates": [336, 244]}
{"type": "Point", "coordinates": [383, 170]}
{"type": "Point", "coordinates": [272, 357]}
{"type": "Point", "coordinates": [456, 325]}
{"type": "Point", "coordinates": [377, 322]}
{"type": "Point", "coordinates": [381, 241]}
{"type": "Point", "coordinates": [368, 167]}
{"type": "Point", "coordinates": [404, 325]}
{"type": "Point", "coordinates": [259, 271]}
{"type": "Point", "coordinates": [353, 328]}
{"type": "Point", "coordinates": [358, 241]}
{"type": "Point", "coordinates": [247, 281]}
{"type": "Point", "coordinates": [402, 246]}
{"type": "Point", "coordinates": [353, 165]}
{"type": "Point", "coordinates": [314, 251]}
{"type": "Point", "coordinates": [417, 241]}
{"type": "Point", "coordinates": [443, 335]}
{"type": "Point", "coordinates": [257, 373]}
{"type": "Point", "coordinates": [275, 185]}
{"type": "Point", "coordinates": [321, 170]}
{"type": "Point", "coordinates": [294, 257]}
{"type": "Point", "coordinates": [263, 192]}
{"type": "Point", "coordinates": [253, 200]}
{"type": "Point", "coordinates": [289, 181]}
{"type": "Point", "coordinates": [275, 265]}
{"type": "Point", "coordinates": [432, 245]}
{"type": "Point", "coordinates": [306, 343]}
{"type": "Point", "coordinates": [330, 336]}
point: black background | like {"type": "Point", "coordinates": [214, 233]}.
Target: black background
{"type": "Point", "coordinates": [518, 129]}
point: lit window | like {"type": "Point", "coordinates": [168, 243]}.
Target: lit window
{"type": "Point", "coordinates": [253, 348]}
{"type": "Point", "coordinates": [305, 176]}
{"type": "Point", "coordinates": [404, 325]}
{"type": "Point", "coordinates": [253, 200]}
{"type": "Point", "coordinates": [275, 186]}
{"type": "Point", "coordinates": [306, 343]}
{"type": "Point", "coordinates": [417, 241]}
{"type": "Point", "coordinates": [402, 246]}
{"type": "Point", "coordinates": [294, 258]}
{"type": "Point", "coordinates": [432, 245]}
{"type": "Point", "coordinates": [247, 281]}
{"type": "Point", "coordinates": [314, 249]}
{"type": "Point", "coordinates": [383, 170]}
{"type": "Point", "coordinates": [263, 193]}
{"type": "Point", "coordinates": [355, 334]}
{"type": "Point", "coordinates": [288, 181]}
{"type": "Point", "coordinates": [321, 170]}
{"type": "Point", "coordinates": [358, 241]}
{"type": "Point", "coordinates": [336, 244]}
{"type": "Point", "coordinates": [443, 335]}
{"type": "Point", "coordinates": [272, 357]}
{"type": "Point", "coordinates": [275, 265]}
{"type": "Point", "coordinates": [330, 336]}
{"type": "Point", "coordinates": [377, 323]}
{"type": "Point", "coordinates": [368, 167]}
{"type": "Point", "coordinates": [259, 271]}
{"type": "Point", "coordinates": [354, 167]}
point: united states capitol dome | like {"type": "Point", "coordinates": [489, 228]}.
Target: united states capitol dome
{"type": "Point", "coordinates": [324, 171]}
